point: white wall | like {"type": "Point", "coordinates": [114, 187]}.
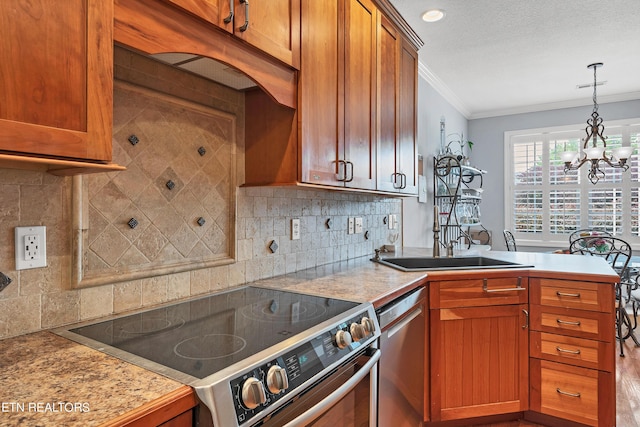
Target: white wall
{"type": "Point", "coordinates": [418, 217]}
{"type": "Point", "coordinates": [488, 150]}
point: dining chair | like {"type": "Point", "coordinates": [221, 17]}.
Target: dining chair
{"type": "Point", "coordinates": [618, 254]}
{"type": "Point", "coordinates": [510, 241]}
{"type": "Point", "coordinates": [587, 232]}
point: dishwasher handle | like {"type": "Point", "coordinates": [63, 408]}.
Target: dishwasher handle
{"type": "Point", "coordinates": [399, 307]}
{"type": "Point", "coordinates": [392, 331]}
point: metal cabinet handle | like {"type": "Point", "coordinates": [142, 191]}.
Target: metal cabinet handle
{"type": "Point", "coordinates": [395, 180]}
{"type": "Point", "coordinates": [564, 294]}
{"type": "Point", "coordinates": [348, 163]}
{"type": "Point", "coordinates": [342, 171]}
{"type": "Point", "coordinates": [485, 287]}
{"type": "Point", "coordinates": [230, 17]}
{"type": "Point", "coordinates": [562, 350]}
{"type": "Point", "coordinates": [526, 319]}
{"type": "Point", "coordinates": [568, 393]}
{"type": "Point", "coordinates": [403, 181]}
{"type": "Point", "coordinates": [246, 15]}
{"type": "Point", "coordinates": [567, 322]}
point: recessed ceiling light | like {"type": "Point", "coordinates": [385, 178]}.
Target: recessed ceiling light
{"type": "Point", "coordinates": [433, 15]}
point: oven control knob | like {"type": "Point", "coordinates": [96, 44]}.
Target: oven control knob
{"type": "Point", "coordinates": [253, 393]}
{"type": "Point", "coordinates": [343, 339]}
{"type": "Point", "coordinates": [277, 380]}
{"type": "Point", "coordinates": [357, 331]}
{"type": "Point", "coordinates": [368, 325]}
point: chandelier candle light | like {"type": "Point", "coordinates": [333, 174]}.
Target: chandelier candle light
{"type": "Point", "coordinates": [596, 154]}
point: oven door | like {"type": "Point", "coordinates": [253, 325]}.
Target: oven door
{"type": "Point", "coordinates": [347, 397]}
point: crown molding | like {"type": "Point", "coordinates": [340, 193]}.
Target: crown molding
{"type": "Point", "coordinates": [443, 89]}
{"type": "Point", "coordinates": [631, 96]}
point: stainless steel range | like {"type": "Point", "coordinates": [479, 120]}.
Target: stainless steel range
{"type": "Point", "coordinates": [250, 351]}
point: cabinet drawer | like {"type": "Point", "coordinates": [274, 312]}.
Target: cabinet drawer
{"type": "Point", "coordinates": [572, 294]}
{"type": "Point", "coordinates": [575, 351]}
{"type": "Point", "coordinates": [572, 393]}
{"type": "Point", "coordinates": [478, 292]}
{"type": "Point", "coordinates": [575, 323]}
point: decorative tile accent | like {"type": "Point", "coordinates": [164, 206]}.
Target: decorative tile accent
{"type": "Point", "coordinates": [166, 185]}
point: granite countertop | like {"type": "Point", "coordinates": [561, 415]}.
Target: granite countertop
{"type": "Point", "coordinates": [356, 280]}
{"type": "Point", "coordinates": [47, 380]}
{"type": "Point", "coordinates": [363, 280]}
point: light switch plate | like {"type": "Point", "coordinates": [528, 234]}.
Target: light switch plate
{"type": "Point", "coordinates": [351, 226]}
{"type": "Point", "coordinates": [358, 225]}
{"type": "Point", "coordinates": [295, 229]}
{"type": "Point", "coordinates": [31, 247]}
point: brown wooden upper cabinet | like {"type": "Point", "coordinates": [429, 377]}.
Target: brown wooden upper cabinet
{"type": "Point", "coordinates": [273, 26]}
{"type": "Point", "coordinates": [355, 122]}
{"type": "Point", "coordinates": [56, 78]}
{"type": "Point", "coordinates": [357, 99]}
{"type": "Point", "coordinates": [396, 109]}
{"type": "Point", "coordinates": [337, 90]}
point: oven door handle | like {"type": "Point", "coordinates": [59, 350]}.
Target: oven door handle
{"type": "Point", "coordinates": [336, 395]}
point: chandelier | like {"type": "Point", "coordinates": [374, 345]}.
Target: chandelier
{"type": "Point", "coordinates": [595, 155]}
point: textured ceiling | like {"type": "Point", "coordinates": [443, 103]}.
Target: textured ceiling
{"type": "Point", "coordinates": [497, 57]}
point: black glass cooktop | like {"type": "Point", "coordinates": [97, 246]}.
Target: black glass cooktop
{"type": "Point", "coordinates": [203, 336]}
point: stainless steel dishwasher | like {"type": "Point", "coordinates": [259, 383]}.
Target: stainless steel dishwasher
{"type": "Point", "coordinates": [401, 370]}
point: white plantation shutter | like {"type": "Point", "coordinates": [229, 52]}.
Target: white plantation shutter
{"type": "Point", "coordinates": [545, 204]}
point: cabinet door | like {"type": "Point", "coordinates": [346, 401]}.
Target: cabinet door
{"type": "Point", "coordinates": [387, 106]}
{"type": "Point", "coordinates": [479, 361]}
{"type": "Point", "coordinates": [56, 78]}
{"type": "Point", "coordinates": [407, 128]}
{"type": "Point", "coordinates": [397, 97]}
{"type": "Point", "coordinates": [320, 107]}
{"type": "Point", "coordinates": [360, 93]}
{"type": "Point", "coordinates": [272, 26]}
{"type": "Point", "coordinates": [217, 12]}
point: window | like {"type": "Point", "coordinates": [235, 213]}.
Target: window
{"type": "Point", "coordinates": [544, 204]}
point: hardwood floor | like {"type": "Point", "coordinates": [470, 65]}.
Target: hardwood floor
{"type": "Point", "coordinates": [627, 391]}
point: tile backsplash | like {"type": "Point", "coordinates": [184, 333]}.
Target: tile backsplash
{"type": "Point", "coordinates": [47, 297]}
{"type": "Point", "coordinates": [44, 298]}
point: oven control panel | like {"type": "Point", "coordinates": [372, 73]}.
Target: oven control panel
{"type": "Point", "coordinates": [297, 369]}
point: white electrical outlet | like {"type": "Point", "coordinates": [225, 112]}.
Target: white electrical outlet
{"type": "Point", "coordinates": [31, 247]}
{"type": "Point", "coordinates": [351, 226]}
{"type": "Point", "coordinates": [358, 225]}
{"type": "Point", "coordinates": [295, 229]}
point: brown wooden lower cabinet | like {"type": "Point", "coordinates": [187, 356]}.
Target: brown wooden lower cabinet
{"type": "Point", "coordinates": [572, 393]}
{"type": "Point", "coordinates": [479, 361]}
{"type": "Point", "coordinates": [505, 347]}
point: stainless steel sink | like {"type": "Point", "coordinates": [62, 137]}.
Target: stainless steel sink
{"type": "Point", "coordinates": [455, 263]}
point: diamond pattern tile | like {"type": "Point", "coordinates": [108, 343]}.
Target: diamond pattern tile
{"type": "Point", "coordinates": [169, 133]}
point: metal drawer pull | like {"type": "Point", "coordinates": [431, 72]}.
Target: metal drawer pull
{"type": "Point", "coordinates": [485, 287]}
{"type": "Point", "coordinates": [562, 350]}
{"type": "Point", "coordinates": [566, 322]}
{"type": "Point", "coordinates": [564, 294]}
{"type": "Point", "coordinates": [567, 393]}
{"type": "Point", "coordinates": [526, 316]}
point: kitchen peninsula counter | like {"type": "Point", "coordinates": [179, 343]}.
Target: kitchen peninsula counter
{"type": "Point", "coordinates": [364, 280]}
{"type": "Point", "coordinates": [50, 373]}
